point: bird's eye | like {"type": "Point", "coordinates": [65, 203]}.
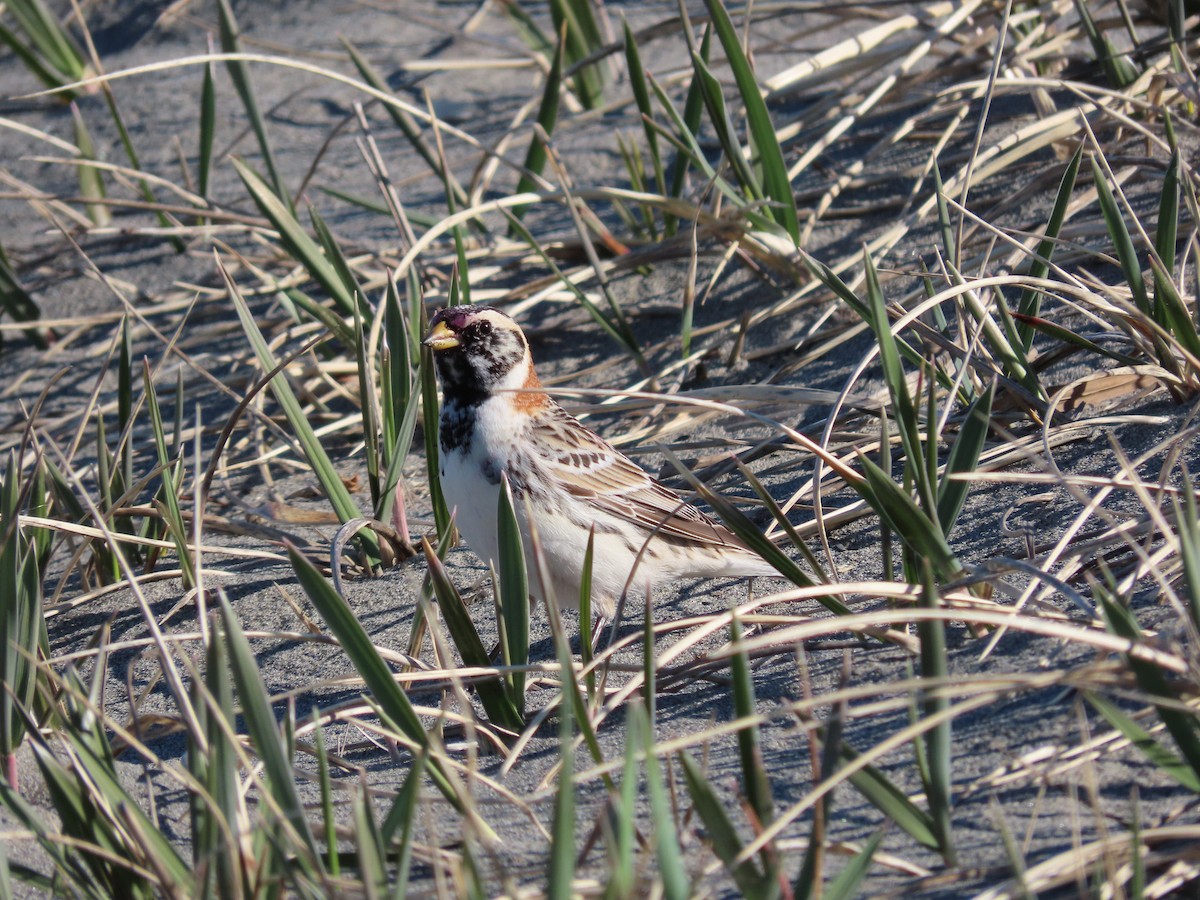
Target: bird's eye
{"type": "Point", "coordinates": [483, 328]}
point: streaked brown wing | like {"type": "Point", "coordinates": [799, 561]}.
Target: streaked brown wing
{"type": "Point", "coordinates": [592, 469]}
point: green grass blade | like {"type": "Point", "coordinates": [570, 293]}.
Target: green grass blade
{"type": "Point", "coordinates": [765, 144]}
{"type": "Point", "coordinates": [725, 841]}
{"type": "Point", "coordinates": [48, 36]}
{"type": "Point", "coordinates": [901, 513]}
{"type": "Point", "coordinates": [430, 427]}
{"type": "Point", "coordinates": [718, 116]}
{"type": "Point", "coordinates": [208, 130]}
{"type": "Point", "coordinates": [17, 302]}
{"type": "Point", "coordinates": [576, 21]}
{"type": "Point", "coordinates": [239, 74]}
{"type": "Point", "coordinates": [1187, 526]}
{"type": "Point", "coordinates": [356, 643]}
{"type": "Point", "coordinates": [264, 732]}
{"type": "Point", "coordinates": [1162, 758]}
{"type": "Point", "coordinates": [755, 783]}
{"type": "Point", "coordinates": [91, 180]}
{"type": "Point", "coordinates": [492, 694]}
{"type": "Point", "coordinates": [547, 117]}
{"type": "Point", "coordinates": [938, 739]}
{"type": "Point", "coordinates": [331, 482]}
{"type": "Point", "coordinates": [1030, 302]}
{"type": "Point", "coordinates": [676, 885]}
{"type": "Point", "coordinates": [1118, 232]}
{"type": "Point", "coordinates": [176, 527]}
{"type": "Point", "coordinates": [641, 97]}
{"type": "Point", "coordinates": [296, 240]}
{"type": "Point", "coordinates": [903, 408]}
{"type": "Point", "coordinates": [514, 593]}
{"type": "Point", "coordinates": [560, 866]}
{"type": "Point", "coordinates": [688, 125]}
{"type": "Point", "coordinates": [964, 456]}
{"type": "Point", "coordinates": [890, 800]}
{"type": "Point", "coordinates": [1150, 678]}
{"type": "Point", "coordinates": [845, 886]}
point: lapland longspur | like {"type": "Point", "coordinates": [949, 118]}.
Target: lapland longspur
{"type": "Point", "coordinates": [497, 421]}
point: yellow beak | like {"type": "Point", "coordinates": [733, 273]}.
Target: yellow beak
{"type": "Point", "coordinates": [441, 338]}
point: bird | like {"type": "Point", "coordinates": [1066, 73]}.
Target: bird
{"type": "Point", "coordinates": [498, 423]}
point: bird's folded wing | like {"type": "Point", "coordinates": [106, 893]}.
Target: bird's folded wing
{"type": "Point", "coordinates": [593, 470]}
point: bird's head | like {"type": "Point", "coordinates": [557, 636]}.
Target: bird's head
{"type": "Point", "coordinates": [479, 350]}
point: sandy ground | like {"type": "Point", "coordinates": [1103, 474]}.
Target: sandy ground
{"type": "Point", "coordinates": [1048, 808]}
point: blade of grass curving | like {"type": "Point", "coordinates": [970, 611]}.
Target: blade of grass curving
{"type": "Point", "coordinates": [964, 456]}
{"type": "Point", "coordinates": [240, 76]}
{"type": "Point", "coordinates": [513, 594]}
{"type": "Point", "coordinates": [725, 841]}
{"type": "Point", "coordinates": [1067, 336]}
{"type": "Point", "coordinates": [332, 484]}
{"type": "Point", "coordinates": [267, 741]}
{"type": "Point", "coordinates": [1152, 681]}
{"type": "Point", "coordinates": [547, 117]}
{"type": "Point", "coordinates": [341, 266]}
{"type": "Point", "coordinates": [296, 241]}
{"type": "Point", "coordinates": [1163, 759]}
{"type": "Point", "coordinates": [176, 527]}
{"type": "Point", "coordinates": [1039, 267]}
{"type": "Point", "coordinates": [939, 747]}
{"type": "Point", "coordinates": [376, 675]}
{"type": "Point", "coordinates": [763, 141]}
{"type": "Point", "coordinates": [492, 694]}
{"type": "Point", "coordinates": [669, 856]}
